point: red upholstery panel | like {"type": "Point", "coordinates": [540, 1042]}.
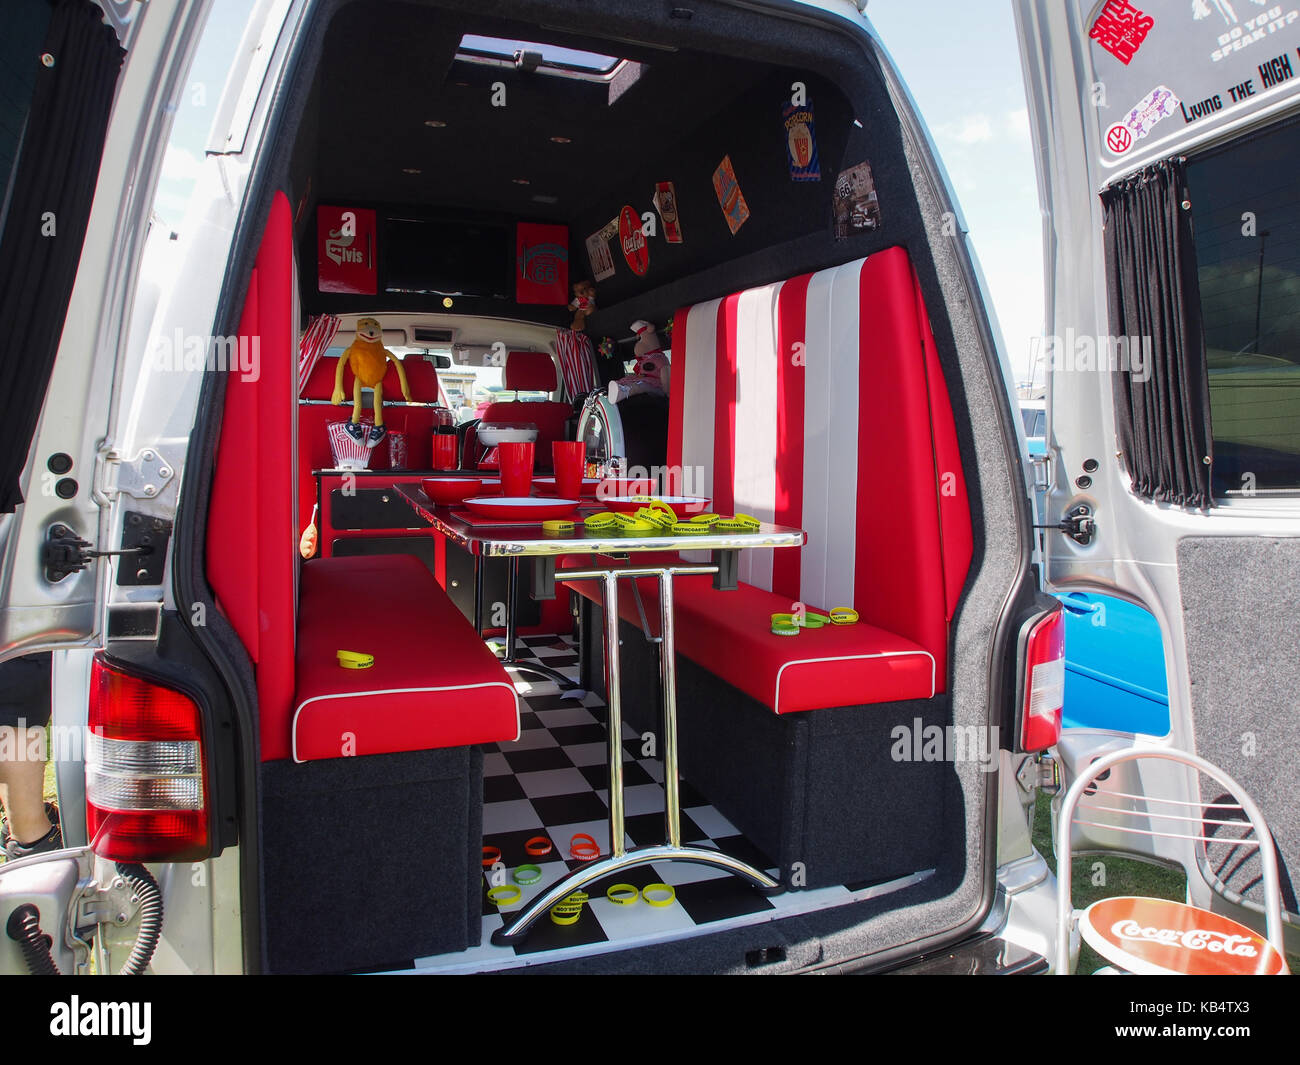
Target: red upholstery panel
{"type": "Point", "coordinates": [251, 535]}
{"type": "Point", "coordinates": [956, 537]}
{"type": "Point", "coordinates": [320, 382]}
{"type": "Point", "coordinates": [550, 419]}
{"type": "Point", "coordinates": [434, 683]}
{"type": "Point", "coordinates": [530, 371]}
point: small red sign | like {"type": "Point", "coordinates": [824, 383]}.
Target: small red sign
{"type": "Point", "coordinates": [345, 250]}
{"type": "Point", "coordinates": [1119, 139]}
{"type": "Point", "coordinates": [541, 264]}
{"type": "Point", "coordinates": [1121, 28]}
{"type": "Point", "coordinates": [630, 238]}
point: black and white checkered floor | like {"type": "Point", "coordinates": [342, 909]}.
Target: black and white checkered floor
{"type": "Point", "coordinates": [553, 781]}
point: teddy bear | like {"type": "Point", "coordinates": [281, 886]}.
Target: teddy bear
{"type": "Point", "coordinates": [651, 375]}
{"type": "Point", "coordinates": [368, 359]}
{"type": "Point", "coordinates": [583, 304]}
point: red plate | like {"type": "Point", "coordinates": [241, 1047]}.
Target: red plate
{"type": "Point", "coordinates": [530, 508]}
{"type": "Point", "coordinates": [682, 506]}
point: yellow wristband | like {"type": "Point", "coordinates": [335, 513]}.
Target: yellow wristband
{"type": "Point", "coordinates": [689, 528]}
{"type": "Point", "coordinates": [843, 615]}
{"type": "Point", "coordinates": [659, 889]}
{"type": "Point", "coordinates": [603, 520]}
{"type": "Point", "coordinates": [557, 526]}
{"type": "Point", "coordinates": [504, 895]}
{"type": "Point", "coordinates": [622, 894]}
{"type": "Point", "coordinates": [355, 659]}
{"type": "Point", "coordinates": [705, 519]}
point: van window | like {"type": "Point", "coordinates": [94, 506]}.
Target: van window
{"type": "Point", "coordinates": [1246, 219]}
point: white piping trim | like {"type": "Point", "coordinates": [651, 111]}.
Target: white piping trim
{"type": "Point", "coordinates": [400, 691]}
{"type": "Point", "coordinates": [848, 658]}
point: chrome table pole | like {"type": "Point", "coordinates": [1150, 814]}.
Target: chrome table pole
{"type": "Point", "coordinates": [620, 858]}
{"type": "Point", "coordinates": [512, 630]}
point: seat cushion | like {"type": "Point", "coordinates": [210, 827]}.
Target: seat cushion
{"type": "Point", "coordinates": [434, 683]}
{"type": "Point", "coordinates": [729, 633]}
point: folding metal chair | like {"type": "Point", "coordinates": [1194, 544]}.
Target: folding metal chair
{"type": "Point", "coordinates": [1155, 935]}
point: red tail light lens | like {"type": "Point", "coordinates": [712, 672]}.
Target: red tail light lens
{"type": "Point", "coordinates": [1044, 694]}
{"type": "Point", "coordinates": [146, 793]}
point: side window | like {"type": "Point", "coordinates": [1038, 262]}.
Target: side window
{"type": "Point", "coordinates": [20, 46]}
{"type": "Point", "coordinates": [1246, 219]}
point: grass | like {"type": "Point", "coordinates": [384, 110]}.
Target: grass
{"type": "Point", "coordinates": [1123, 876]}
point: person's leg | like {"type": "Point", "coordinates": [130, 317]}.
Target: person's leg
{"type": "Point", "coordinates": [24, 709]}
{"type": "Point", "coordinates": [22, 786]}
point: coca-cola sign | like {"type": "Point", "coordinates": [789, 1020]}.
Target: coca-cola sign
{"type": "Point", "coordinates": [1153, 936]}
{"type": "Point", "coordinates": [632, 240]}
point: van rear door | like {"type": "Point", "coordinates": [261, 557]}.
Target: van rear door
{"type": "Point", "coordinates": [56, 509]}
{"type": "Point", "coordinates": [1167, 144]}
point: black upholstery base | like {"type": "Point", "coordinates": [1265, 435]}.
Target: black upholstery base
{"type": "Point", "coordinates": [371, 862]}
{"type": "Point", "coordinates": [823, 792]}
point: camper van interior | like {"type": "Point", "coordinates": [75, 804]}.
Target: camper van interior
{"type": "Point", "coordinates": [745, 189]}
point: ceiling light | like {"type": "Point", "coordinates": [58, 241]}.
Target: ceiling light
{"type": "Point", "coordinates": [521, 181]}
{"type": "Point", "coordinates": [436, 123]}
{"type": "Point", "coordinates": [561, 140]}
{"type": "Point", "coordinates": [447, 302]}
{"type": "Point", "coordinates": [410, 170]}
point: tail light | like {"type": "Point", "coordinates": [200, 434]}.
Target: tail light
{"type": "Point", "coordinates": [1044, 694]}
{"type": "Point", "coordinates": [146, 793]}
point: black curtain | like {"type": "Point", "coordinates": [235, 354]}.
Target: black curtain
{"type": "Point", "coordinates": [53, 184]}
{"type": "Point", "coordinates": [1162, 410]}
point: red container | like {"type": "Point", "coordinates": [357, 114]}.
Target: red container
{"type": "Point", "coordinates": [568, 460]}
{"type": "Point", "coordinates": [444, 451]}
{"type": "Point", "coordinates": [449, 491]}
{"type": "Point", "coordinates": [516, 469]}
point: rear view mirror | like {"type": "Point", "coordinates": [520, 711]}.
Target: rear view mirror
{"type": "Point", "coordinates": [442, 362]}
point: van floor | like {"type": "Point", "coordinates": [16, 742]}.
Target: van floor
{"type": "Point", "coordinates": [553, 782]}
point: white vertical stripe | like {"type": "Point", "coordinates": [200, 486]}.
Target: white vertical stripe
{"type": "Point", "coordinates": [698, 390]}
{"type": "Point", "coordinates": [830, 468]}
{"type": "Point", "coordinates": [756, 407]}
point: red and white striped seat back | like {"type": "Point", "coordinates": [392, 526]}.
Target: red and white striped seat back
{"type": "Point", "coordinates": [818, 403]}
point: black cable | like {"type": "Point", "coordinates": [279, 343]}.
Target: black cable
{"type": "Point", "coordinates": [24, 928]}
{"type": "Point", "coordinates": [151, 917]}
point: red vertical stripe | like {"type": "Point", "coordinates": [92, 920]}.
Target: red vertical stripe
{"type": "Point", "coordinates": [792, 321]}
{"type": "Point", "coordinates": [676, 399]}
{"type": "Point", "coordinates": [724, 426]}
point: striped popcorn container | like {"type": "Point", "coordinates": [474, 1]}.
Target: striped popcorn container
{"type": "Point", "coordinates": [348, 453]}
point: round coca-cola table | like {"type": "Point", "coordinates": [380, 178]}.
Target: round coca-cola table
{"type": "Point", "coordinates": [1156, 937]}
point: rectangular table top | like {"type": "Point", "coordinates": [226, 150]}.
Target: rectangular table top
{"type": "Point", "coordinates": [528, 538]}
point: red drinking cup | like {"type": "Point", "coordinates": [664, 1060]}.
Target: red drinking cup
{"type": "Point", "coordinates": [569, 460]}
{"type": "Point", "coordinates": [516, 469]}
{"type": "Point", "coordinates": [444, 451]}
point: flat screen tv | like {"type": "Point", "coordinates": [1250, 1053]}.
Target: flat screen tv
{"type": "Point", "coordinates": [446, 257]}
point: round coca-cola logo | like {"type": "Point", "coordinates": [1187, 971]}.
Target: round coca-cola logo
{"type": "Point", "coordinates": [635, 248]}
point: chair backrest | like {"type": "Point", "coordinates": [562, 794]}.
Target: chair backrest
{"type": "Point", "coordinates": [819, 403]}
{"type": "Point", "coordinates": [1177, 819]}
{"type": "Point", "coordinates": [532, 371]}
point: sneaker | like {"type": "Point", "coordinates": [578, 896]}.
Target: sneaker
{"type": "Point", "coordinates": [357, 431]}
{"type": "Point", "coordinates": [377, 433]}
{"type": "Point", "coordinates": [51, 841]}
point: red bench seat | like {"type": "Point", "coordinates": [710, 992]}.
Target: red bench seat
{"type": "Point", "coordinates": [434, 683]}
{"type": "Point", "coordinates": [729, 633]}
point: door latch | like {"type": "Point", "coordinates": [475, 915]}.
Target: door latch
{"type": "Point", "coordinates": [1078, 524]}
{"type": "Point", "coordinates": [144, 538]}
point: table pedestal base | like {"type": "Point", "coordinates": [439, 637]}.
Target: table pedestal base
{"type": "Point", "coordinates": [604, 867]}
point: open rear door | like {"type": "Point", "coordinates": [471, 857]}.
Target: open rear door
{"type": "Point", "coordinates": [96, 106]}
{"type": "Point", "coordinates": [1168, 142]}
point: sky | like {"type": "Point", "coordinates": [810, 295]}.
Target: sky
{"type": "Point", "coordinates": [965, 78]}
{"type": "Point", "coordinates": [967, 83]}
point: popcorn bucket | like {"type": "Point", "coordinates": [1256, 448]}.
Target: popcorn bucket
{"type": "Point", "coordinates": [348, 453]}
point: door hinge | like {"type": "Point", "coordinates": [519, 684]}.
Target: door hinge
{"type": "Point", "coordinates": [1078, 524]}
{"type": "Point", "coordinates": [142, 476]}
